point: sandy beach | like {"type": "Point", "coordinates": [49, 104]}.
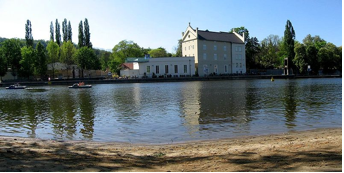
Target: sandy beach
{"type": "Point", "coordinates": [315, 150]}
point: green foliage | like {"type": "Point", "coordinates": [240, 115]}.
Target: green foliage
{"type": "Point", "coordinates": [179, 48]}
{"type": "Point", "coordinates": [67, 52]}
{"type": "Point", "coordinates": [3, 64]}
{"type": "Point", "coordinates": [69, 30]}
{"type": "Point", "coordinates": [300, 59]}
{"type": "Point", "coordinates": [57, 33]}
{"type": "Point", "coordinates": [85, 58]}
{"type": "Point", "coordinates": [65, 30]}
{"type": "Point", "coordinates": [87, 34]}
{"type": "Point", "coordinates": [289, 40]}
{"type": "Point", "coordinates": [27, 62]}
{"type": "Point", "coordinates": [51, 31]}
{"type": "Point", "coordinates": [81, 37]}
{"type": "Point", "coordinates": [28, 34]}
{"type": "Point", "coordinates": [159, 52]}
{"type": "Point", "coordinates": [12, 52]}
{"type": "Point", "coordinates": [252, 53]}
{"type": "Point", "coordinates": [123, 50]}
{"type": "Point", "coordinates": [40, 67]}
{"type": "Point", "coordinates": [53, 50]}
{"type": "Point", "coordinates": [105, 58]}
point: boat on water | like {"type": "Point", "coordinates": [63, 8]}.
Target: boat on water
{"type": "Point", "coordinates": [80, 85]}
{"type": "Point", "coordinates": [16, 86]}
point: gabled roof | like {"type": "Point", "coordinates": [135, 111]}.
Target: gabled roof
{"type": "Point", "coordinates": [129, 66]}
{"type": "Point", "coordinates": [218, 36]}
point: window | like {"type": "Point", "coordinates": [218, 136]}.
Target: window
{"type": "Point", "coordinates": [166, 69]}
{"type": "Point", "coordinates": [226, 69]}
{"type": "Point", "coordinates": [204, 47]}
{"type": "Point", "coordinates": [175, 68]}
{"type": "Point", "coordinates": [239, 56]}
{"type": "Point", "coordinates": [204, 56]}
{"type": "Point", "coordinates": [215, 56]}
{"type": "Point", "coordinates": [215, 69]}
{"type": "Point", "coordinates": [240, 65]}
{"type": "Point", "coordinates": [238, 49]}
{"type": "Point", "coordinates": [148, 69]}
{"type": "Point", "coordinates": [189, 47]}
{"type": "Point", "coordinates": [185, 68]}
{"type": "Point", "coordinates": [157, 69]}
{"type": "Point", "coordinates": [237, 65]}
{"type": "Point", "coordinates": [224, 56]}
{"type": "Point", "coordinates": [215, 47]}
{"type": "Point", "coordinates": [224, 48]}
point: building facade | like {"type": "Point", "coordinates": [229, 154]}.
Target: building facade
{"type": "Point", "coordinates": [163, 66]}
{"type": "Point", "coordinates": [215, 52]}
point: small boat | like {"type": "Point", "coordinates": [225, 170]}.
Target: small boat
{"type": "Point", "coordinates": [16, 86]}
{"type": "Point", "coordinates": [80, 85]}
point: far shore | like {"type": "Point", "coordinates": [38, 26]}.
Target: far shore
{"type": "Point", "coordinates": [314, 150]}
{"type": "Point", "coordinates": [152, 80]}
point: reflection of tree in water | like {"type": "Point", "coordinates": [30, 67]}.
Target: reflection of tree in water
{"type": "Point", "coordinates": [290, 104]}
{"type": "Point", "coordinates": [86, 113]}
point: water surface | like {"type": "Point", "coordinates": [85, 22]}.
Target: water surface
{"type": "Point", "coordinates": [172, 112]}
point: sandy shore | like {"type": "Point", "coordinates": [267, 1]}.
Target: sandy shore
{"type": "Point", "coordinates": [316, 150]}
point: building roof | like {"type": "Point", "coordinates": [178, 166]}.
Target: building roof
{"type": "Point", "coordinates": [137, 60]}
{"type": "Point", "coordinates": [219, 36]}
{"type": "Point", "coordinates": [129, 66]}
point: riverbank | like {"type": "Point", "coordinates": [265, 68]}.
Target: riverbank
{"type": "Point", "coordinates": [151, 80]}
{"type": "Point", "coordinates": [315, 150]}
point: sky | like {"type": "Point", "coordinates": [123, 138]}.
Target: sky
{"type": "Point", "coordinates": [160, 23]}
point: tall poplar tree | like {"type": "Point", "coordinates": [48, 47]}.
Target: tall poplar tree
{"type": "Point", "coordinates": [57, 33]}
{"type": "Point", "coordinates": [65, 30]}
{"type": "Point", "coordinates": [69, 29]}
{"type": "Point", "coordinates": [28, 34]}
{"type": "Point", "coordinates": [87, 34]}
{"type": "Point", "coordinates": [81, 37]}
{"type": "Point", "coordinates": [289, 40]}
{"type": "Point", "coordinates": [51, 31]}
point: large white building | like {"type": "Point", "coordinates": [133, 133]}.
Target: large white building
{"type": "Point", "coordinates": [215, 52]}
{"type": "Point", "coordinates": [164, 66]}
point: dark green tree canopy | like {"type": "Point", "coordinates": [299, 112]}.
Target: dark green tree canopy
{"type": "Point", "coordinates": [28, 34]}
{"type": "Point", "coordinates": [87, 34]}
{"type": "Point", "coordinates": [69, 30]}
{"type": "Point", "coordinates": [65, 30]}
{"type": "Point", "coordinates": [57, 33]}
{"type": "Point", "coordinates": [159, 52]}
{"type": "Point", "coordinates": [289, 41]}
{"type": "Point", "coordinates": [81, 37]}
{"type": "Point", "coordinates": [51, 31]}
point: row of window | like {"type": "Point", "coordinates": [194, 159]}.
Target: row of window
{"type": "Point", "coordinates": [205, 68]}
{"type": "Point", "coordinates": [157, 69]}
{"type": "Point", "coordinates": [215, 56]}
{"type": "Point", "coordinates": [237, 49]}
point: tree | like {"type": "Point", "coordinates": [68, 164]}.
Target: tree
{"type": "Point", "coordinates": [3, 65]}
{"type": "Point", "coordinates": [159, 52]}
{"type": "Point", "coordinates": [179, 48]}
{"type": "Point", "coordinates": [65, 30]}
{"type": "Point", "coordinates": [57, 33]}
{"type": "Point", "coordinates": [240, 31]}
{"type": "Point", "coordinates": [67, 52]}
{"type": "Point", "coordinates": [121, 51]}
{"type": "Point", "coordinates": [51, 31]}
{"type": "Point", "coordinates": [289, 40]}
{"type": "Point", "coordinates": [69, 32]}
{"type": "Point", "coordinates": [53, 54]}
{"type": "Point", "coordinates": [300, 59]}
{"type": "Point", "coordinates": [104, 59]}
{"type": "Point", "coordinates": [28, 34]}
{"type": "Point", "coordinates": [87, 34]}
{"type": "Point", "coordinates": [12, 52]}
{"type": "Point", "coordinates": [27, 61]}
{"type": "Point", "coordinates": [81, 37]}
{"type": "Point", "coordinates": [86, 59]}
{"type": "Point", "coordinates": [252, 51]}
{"type": "Point", "coordinates": [41, 61]}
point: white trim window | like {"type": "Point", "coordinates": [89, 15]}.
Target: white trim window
{"type": "Point", "coordinates": [204, 47]}
{"type": "Point", "coordinates": [226, 68]}
{"type": "Point", "coordinates": [225, 56]}
{"type": "Point", "coordinates": [157, 69]}
{"type": "Point", "coordinates": [148, 69]}
{"type": "Point", "coordinates": [215, 69]}
{"type": "Point", "coordinates": [185, 68]}
{"type": "Point", "coordinates": [215, 56]}
{"type": "Point", "coordinates": [215, 47]}
{"type": "Point", "coordinates": [224, 48]}
{"type": "Point", "coordinates": [175, 68]}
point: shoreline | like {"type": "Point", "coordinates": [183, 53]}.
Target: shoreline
{"type": "Point", "coordinates": [154, 80]}
{"type": "Point", "coordinates": [312, 150]}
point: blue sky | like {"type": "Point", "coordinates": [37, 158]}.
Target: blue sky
{"type": "Point", "coordinates": [159, 23]}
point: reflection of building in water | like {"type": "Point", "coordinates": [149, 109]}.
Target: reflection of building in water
{"type": "Point", "coordinates": [224, 103]}
{"type": "Point", "coordinates": [191, 106]}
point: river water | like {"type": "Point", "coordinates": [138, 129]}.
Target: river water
{"type": "Point", "coordinates": [172, 112]}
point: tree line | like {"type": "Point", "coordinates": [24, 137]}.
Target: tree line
{"type": "Point", "coordinates": [30, 57]}
{"type": "Point", "coordinates": [313, 51]}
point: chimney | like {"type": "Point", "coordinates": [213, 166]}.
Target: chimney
{"type": "Point", "coordinates": [243, 36]}
{"type": "Point", "coordinates": [182, 34]}
{"type": "Point", "coordinates": [196, 29]}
